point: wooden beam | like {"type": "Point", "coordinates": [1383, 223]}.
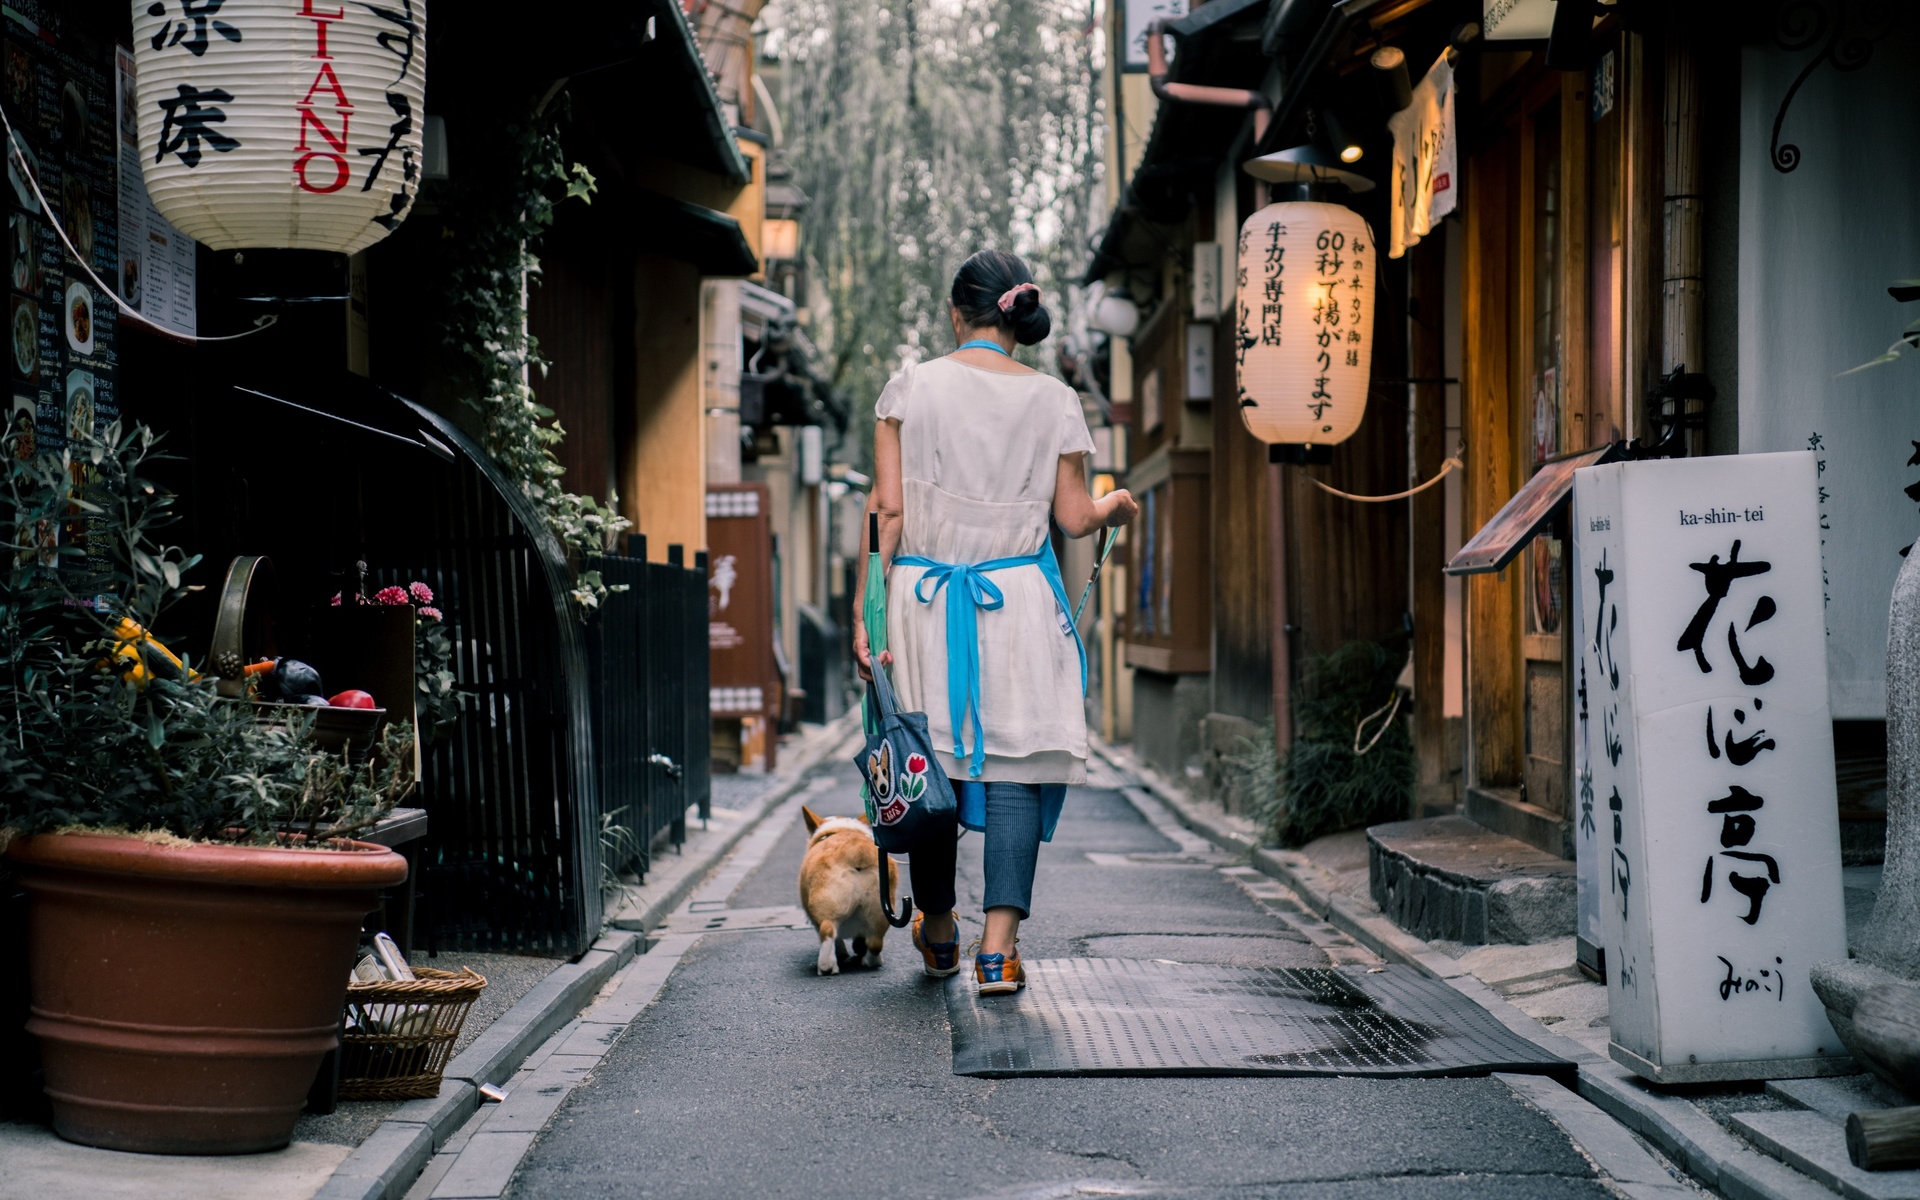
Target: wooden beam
{"type": "Point", "coordinates": [1493, 663]}
{"type": "Point", "coordinates": [1428, 519]}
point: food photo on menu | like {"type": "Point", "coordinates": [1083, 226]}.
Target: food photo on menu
{"type": "Point", "coordinates": [20, 428]}
{"type": "Point", "coordinates": [79, 314]}
{"type": "Point", "coordinates": [26, 339]}
{"type": "Point", "coordinates": [77, 208]}
{"type": "Point", "coordinates": [79, 404]}
{"type": "Point", "coordinates": [24, 257]}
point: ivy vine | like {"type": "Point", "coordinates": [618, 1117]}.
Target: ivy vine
{"type": "Point", "coordinates": [494, 218]}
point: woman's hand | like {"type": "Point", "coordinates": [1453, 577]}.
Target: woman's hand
{"type": "Point", "coordinates": [863, 653]}
{"type": "Point", "coordinates": [1122, 508]}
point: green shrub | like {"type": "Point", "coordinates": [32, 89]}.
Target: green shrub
{"type": "Point", "coordinates": [1321, 785]}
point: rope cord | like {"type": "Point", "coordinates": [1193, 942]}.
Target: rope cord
{"type": "Point", "coordinates": [126, 310]}
{"type": "Point", "coordinates": [1449, 465]}
{"type": "Point", "coordinates": [1391, 707]}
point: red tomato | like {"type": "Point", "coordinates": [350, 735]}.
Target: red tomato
{"type": "Point", "coordinates": [353, 699]}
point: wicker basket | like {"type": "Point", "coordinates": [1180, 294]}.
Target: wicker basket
{"type": "Point", "coordinates": [403, 1033]}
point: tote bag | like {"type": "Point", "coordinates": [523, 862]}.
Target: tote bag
{"type": "Point", "coordinates": [909, 797]}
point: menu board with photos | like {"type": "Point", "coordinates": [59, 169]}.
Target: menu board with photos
{"type": "Point", "coordinates": [156, 260]}
{"type": "Point", "coordinates": [56, 81]}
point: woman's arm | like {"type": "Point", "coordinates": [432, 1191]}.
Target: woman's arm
{"type": "Point", "coordinates": [887, 499]}
{"type": "Point", "coordinates": [1076, 512]}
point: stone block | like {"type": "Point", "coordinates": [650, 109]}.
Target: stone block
{"type": "Point", "coordinates": [485, 1167]}
{"type": "Point", "coordinates": [1817, 1147]}
{"type": "Point", "coordinates": [1448, 878]}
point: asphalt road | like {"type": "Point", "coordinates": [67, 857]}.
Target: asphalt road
{"type": "Point", "coordinates": [753, 1077]}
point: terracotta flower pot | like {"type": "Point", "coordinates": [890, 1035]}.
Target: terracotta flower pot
{"type": "Point", "coordinates": [184, 996]}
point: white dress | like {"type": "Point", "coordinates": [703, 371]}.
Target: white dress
{"type": "Point", "coordinates": [979, 458]}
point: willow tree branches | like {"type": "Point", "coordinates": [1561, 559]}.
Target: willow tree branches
{"type": "Point", "coordinates": [922, 131]}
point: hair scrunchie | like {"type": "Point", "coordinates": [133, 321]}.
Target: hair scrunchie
{"type": "Point", "coordinates": [1007, 297]}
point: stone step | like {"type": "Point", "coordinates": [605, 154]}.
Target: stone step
{"type": "Point", "coordinates": [1451, 879]}
{"type": "Point", "coordinates": [1815, 1146]}
{"type": "Point", "coordinates": [1833, 1097]}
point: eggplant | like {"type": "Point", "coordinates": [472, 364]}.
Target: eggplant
{"type": "Point", "coordinates": [320, 701]}
{"type": "Point", "coordinates": [291, 679]}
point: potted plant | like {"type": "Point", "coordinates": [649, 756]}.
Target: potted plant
{"type": "Point", "coordinates": [195, 897]}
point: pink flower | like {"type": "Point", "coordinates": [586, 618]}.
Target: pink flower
{"type": "Point", "coordinates": [429, 612]}
{"type": "Point", "coordinates": [336, 599]}
{"type": "Point", "coordinates": [421, 593]}
{"type": "Point", "coordinates": [916, 764]}
{"type": "Point", "coordinates": [390, 595]}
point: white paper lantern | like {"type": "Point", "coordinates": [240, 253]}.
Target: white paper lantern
{"type": "Point", "coordinates": [293, 124]}
{"type": "Point", "coordinates": [1304, 336]}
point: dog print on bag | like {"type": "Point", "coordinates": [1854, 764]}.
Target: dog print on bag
{"type": "Point", "coordinates": [911, 785]}
{"type": "Point", "coordinates": [880, 773]}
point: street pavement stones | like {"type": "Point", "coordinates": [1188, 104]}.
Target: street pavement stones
{"type": "Point", "coordinates": [1521, 986]}
{"type": "Point", "coordinates": [750, 1075]}
{"type": "Point", "coordinates": [479, 1160]}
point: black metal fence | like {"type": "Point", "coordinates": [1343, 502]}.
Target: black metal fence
{"type": "Point", "coordinates": [649, 663]}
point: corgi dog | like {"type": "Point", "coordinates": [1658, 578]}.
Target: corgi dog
{"type": "Point", "coordinates": [839, 893]}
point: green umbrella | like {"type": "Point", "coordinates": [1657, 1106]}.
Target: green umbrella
{"type": "Point", "coordinates": [873, 605]}
{"type": "Point", "coordinates": [873, 611]}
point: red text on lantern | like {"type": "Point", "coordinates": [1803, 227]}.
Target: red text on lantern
{"type": "Point", "coordinates": [330, 175]}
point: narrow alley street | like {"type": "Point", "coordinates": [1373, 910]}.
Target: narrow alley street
{"type": "Point", "coordinates": [752, 1076]}
{"type": "Point", "coordinates": [1384, 528]}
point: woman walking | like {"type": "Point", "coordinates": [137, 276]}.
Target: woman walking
{"type": "Point", "coordinates": [973, 453]}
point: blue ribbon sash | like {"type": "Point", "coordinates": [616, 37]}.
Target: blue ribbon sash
{"type": "Point", "coordinates": [969, 590]}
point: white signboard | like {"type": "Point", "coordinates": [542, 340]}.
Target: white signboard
{"type": "Point", "coordinates": [1135, 16]}
{"type": "Point", "coordinates": [156, 260]}
{"type": "Point", "coordinates": [1206, 281]}
{"type": "Point", "coordinates": [1199, 362]}
{"type": "Point", "coordinates": [1592, 833]}
{"type": "Point", "coordinates": [1710, 760]}
{"type": "Point", "coordinates": [1509, 20]}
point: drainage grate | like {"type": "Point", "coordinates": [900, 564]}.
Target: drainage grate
{"type": "Point", "coordinates": [1120, 1016]}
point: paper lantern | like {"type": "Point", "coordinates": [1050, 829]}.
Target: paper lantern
{"type": "Point", "coordinates": [1304, 340]}
{"type": "Point", "coordinates": [292, 124]}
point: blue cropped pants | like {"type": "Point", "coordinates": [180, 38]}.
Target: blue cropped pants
{"type": "Point", "coordinates": [1012, 850]}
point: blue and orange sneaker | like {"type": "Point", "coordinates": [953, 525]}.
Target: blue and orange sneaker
{"type": "Point", "coordinates": [999, 974]}
{"type": "Point", "coordinates": [942, 958]}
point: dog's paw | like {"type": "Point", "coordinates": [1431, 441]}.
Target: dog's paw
{"type": "Point", "coordinates": [827, 962]}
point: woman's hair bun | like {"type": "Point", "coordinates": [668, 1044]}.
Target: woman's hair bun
{"type": "Point", "coordinates": [979, 285]}
{"type": "Point", "coordinates": [1029, 318]}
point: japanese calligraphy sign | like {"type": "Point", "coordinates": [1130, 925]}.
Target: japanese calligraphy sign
{"type": "Point", "coordinates": [281, 123]}
{"type": "Point", "coordinates": [1303, 339]}
{"type": "Point", "coordinates": [1706, 820]}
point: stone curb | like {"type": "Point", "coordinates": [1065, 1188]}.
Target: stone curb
{"type": "Point", "coordinates": [1692, 1139]}
{"type": "Point", "coordinates": [826, 742]}
{"type": "Point", "coordinates": [1629, 1165]}
{"type": "Point", "coordinates": [385, 1165]}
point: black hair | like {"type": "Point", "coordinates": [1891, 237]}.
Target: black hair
{"type": "Point", "coordinates": [983, 279]}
